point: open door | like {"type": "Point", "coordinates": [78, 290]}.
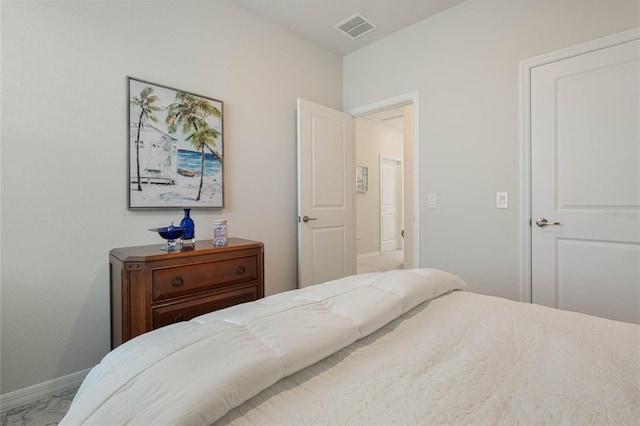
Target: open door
{"type": "Point", "coordinates": [326, 190]}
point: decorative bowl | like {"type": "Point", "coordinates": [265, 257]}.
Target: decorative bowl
{"type": "Point", "coordinates": [169, 233]}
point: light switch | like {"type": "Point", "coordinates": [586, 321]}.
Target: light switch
{"type": "Point", "coordinates": [502, 200]}
{"type": "Point", "coordinates": [432, 201]}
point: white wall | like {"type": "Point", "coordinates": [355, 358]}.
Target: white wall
{"type": "Point", "coordinates": [373, 138]}
{"type": "Point", "coordinates": [464, 63]}
{"type": "Point", "coordinates": [64, 154]}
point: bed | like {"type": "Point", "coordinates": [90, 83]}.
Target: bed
{"type": "Point", "coordinates": [400, 347]}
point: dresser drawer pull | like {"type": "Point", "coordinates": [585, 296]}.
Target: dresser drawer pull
{"type": "Point", "coordinates": [177, 281]}
{"type": "Point", "coordinates": [241, 300]}
{"type": "Point", "coordinates": [178, 318]}
{"type": "Point", "coordinates": [241, 270]}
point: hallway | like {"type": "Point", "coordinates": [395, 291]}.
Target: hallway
{"type": "Point", "coordinates": [388, 260]}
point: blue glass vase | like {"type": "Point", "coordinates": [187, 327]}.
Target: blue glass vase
{"type": "Point", "coordinates": [188, 238]}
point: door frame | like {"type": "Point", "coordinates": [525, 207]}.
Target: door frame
{"type": "Point", "coordinates": [401, 100]}
{"type": "Point", "coordinates": [525, 68]}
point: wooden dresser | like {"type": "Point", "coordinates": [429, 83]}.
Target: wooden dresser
{"type": "Point", "coordinates": [151, 288]}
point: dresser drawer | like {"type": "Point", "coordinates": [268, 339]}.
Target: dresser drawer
{"type": "Point", "coordinates": [186, 310]}
{"type": "Point", "coordinates": [178, 281]}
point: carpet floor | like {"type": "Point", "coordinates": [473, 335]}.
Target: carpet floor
{"type": "Point", "coordinates": [386, 261]}
{"type": "Point", "coordinates": [43, 412]}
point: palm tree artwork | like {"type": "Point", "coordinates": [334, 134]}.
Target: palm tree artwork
{"type": "Point", "coordinates": [174, 136]}
{"type": "Point", "coordinates": [145, 101]}
{"type": "Point", "coordinates": [190, 112]}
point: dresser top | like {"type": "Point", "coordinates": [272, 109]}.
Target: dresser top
{"type": "Point", "coordinates": [155, 252]}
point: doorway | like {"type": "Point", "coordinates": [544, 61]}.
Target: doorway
{"type": "Point", "coordinates": [317, 261]}
{"type": "Point", "coordinates": [386, 231]}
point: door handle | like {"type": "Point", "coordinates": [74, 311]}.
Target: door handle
{"type": "Point", "coordinates": [542, 222]}
{"type": "Point", "coordinates": [306, 218]}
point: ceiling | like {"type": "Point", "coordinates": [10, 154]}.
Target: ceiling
{"type": "Point", "coordinates": [391, 117]}
{"type": "Point", "coordinates": [317, 19]}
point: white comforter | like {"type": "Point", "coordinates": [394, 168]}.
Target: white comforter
{"type": "Point", "coordinates": [193, 373]}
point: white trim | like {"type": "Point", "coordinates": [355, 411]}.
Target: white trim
{"type": "Point", "coordinates": [366, 255]}
{"type": "Point", "coordinates": [525, 139]}
{"type": "Point", "coordinates": [405, 99]}
{"type": "Point", "coordinates": [41, 390]}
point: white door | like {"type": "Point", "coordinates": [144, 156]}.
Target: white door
{"type": "Point", "coordinates": [585, 182]}
{"type": "Point", "coordinates": [390, 203]}
{"type": "Point", "coordinates": [326, 192]}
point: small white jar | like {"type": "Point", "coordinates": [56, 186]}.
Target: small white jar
{"type": "Point", "coordinates": [219, 232]}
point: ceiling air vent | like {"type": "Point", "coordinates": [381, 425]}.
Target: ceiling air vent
{"type": "Point", "coordinates": [356, 26]}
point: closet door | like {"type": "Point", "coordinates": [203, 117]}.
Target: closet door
{"type": "Point", "coordinates": [390, 203]}
{"type": "Point", "coordinates": [585, 183]}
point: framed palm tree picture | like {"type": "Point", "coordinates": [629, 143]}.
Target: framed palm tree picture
{"type": "Point", "coordinates": [175, 148]}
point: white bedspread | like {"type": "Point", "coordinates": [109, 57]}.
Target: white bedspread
{"type": "Point", "coordinates": [467, 359]}
{"type": "Point", "coordinates": [193, 373]}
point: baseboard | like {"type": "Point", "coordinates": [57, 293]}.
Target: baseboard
{"type": "Point", "coordinates": [365, 255]}
{"type": "Point", "coordinates": [41, 390]}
